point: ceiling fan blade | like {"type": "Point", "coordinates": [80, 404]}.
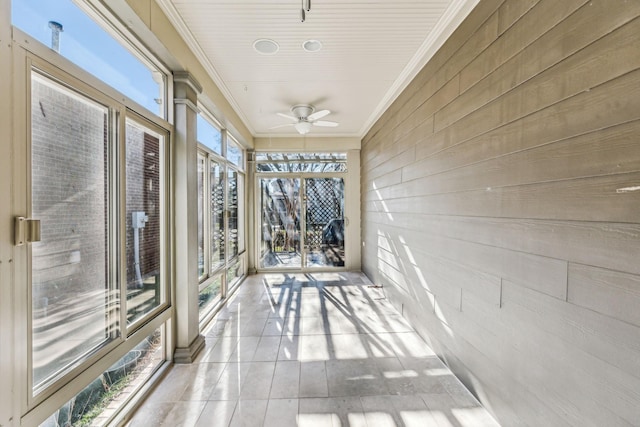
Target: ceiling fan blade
{"type": "Point", "coordinates": [325, 123]}
{"type": "Point", "coordinates": [282, 126]}
{"type": "Point", "coordinates": [286, 116]}
{"type": "Point", "coordinates": [318, 115]}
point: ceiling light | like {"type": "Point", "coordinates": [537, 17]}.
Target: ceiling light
{"type": "Point", "coordinates": [266, 46]}
{"type": "Point", "coordinates": [312, 45]}
{"type": "Point", "coordinates": [302, 127]}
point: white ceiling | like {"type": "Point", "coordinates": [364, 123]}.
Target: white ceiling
{"type": "Point", "coordinates": [371, 50]}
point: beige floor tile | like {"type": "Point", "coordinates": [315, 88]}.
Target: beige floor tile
{"type": "Point", "coordinates": [354, 378]}
{"type": "Point", "coordinates": [217, 413]}
{"type": "Point", "coordinates": [253, 327]}
{"type": "Point", "coordinates": [273, 327]}
{"type": "Point", "coordinates": [286, 380]}
{"type": "Point", "coordinates": [314, 347]}
{"type": "Point", "coordinates": [349, 346]}
{"type": "Point", "coordinates": [289, 347]}
{"type": "Point", "coordinates": [151, 414]}
{"type": "Point", "coordinates": [379, 411]}
{"type": "Point", "coordinates": [258, 381]}
{"type": "Point", "coordinates": [313, 379]}
{"type": "Point", "coordinates": [308, 354]}
{"type": "Point", "coordinates": [224, 347]}
{"type": "Point", "coordinates": [340, 411]}
{"type": "Point", "coordinates": [317, 325]}
{"type": "Point", "coordinates": [398, 380]}
{"type": "Point", "coordinates": [281, 413]}
{"type": "Point", "coordinates": [267, 350]}
{"type": "Point", "coordinates": [245, 349]}
{"type": "Point", "coordinates": [317, 412]}
{"type": "Point", "coordinates": [205, 376]}
{"type": "Point", "coordinates": [249, 413]}
{"type": "Point", "coordinates": [184, 414]}
{"type": "Point", "coordinates": [173, 385]}
{"type": "Point", "coordinates": [230, 382]}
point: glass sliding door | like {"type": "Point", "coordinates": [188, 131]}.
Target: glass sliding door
{"type": "Point", "coordinates": [324, 222]}
{"type": "Point", "coordinates": [71, 286]}
{"type": "Point", "coordinates": [302, 222]}
{"type": "Point", "coordinates": [280, 223]}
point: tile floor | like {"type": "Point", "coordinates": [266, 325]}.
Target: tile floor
{"type": "Point", "coordinates": [311, 350]}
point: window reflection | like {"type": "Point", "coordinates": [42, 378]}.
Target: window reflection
{"type": "Point", "coordinates": [143, 220]}
{"type": "Point", "coordinates": [70, 282]}
{"type": "Point", "coordinates": [201, 198]}
{"type": "Point", "coordinates": [217, 236]}
{"type": "Point", "coordinates": [208, 135]}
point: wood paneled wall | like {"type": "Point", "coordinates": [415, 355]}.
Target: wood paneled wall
{"type": "Point", "coordinates": [501, 208]}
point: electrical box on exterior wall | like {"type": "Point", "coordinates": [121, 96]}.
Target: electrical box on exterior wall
{"type": "Point", "coordinates": [139, 219]}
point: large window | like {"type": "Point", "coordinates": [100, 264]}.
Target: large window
{"type": "Point", "coordinates": [112, 388]}
{"type": "Point", "coordinates": [93, 146]}
{"type": "Point", "coordinates": [220, 213]}
{"type": "Point", "coordinates": [64, 27]}
{"type": "Point", "coordinates": [77, 281]}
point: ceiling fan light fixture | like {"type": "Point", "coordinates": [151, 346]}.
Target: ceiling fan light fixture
{"type": "Point", "coordinates": [312, 45]}
{"type": "Point", "coordinates": [266, 46]}
{"type": "Point", "coordinates": [303, 127]}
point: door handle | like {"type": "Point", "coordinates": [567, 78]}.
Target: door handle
{"type": "Point", "coordinates": [26, 230]}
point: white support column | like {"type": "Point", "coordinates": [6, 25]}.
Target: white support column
{"type": "Point", "coordinates": [188, 340]}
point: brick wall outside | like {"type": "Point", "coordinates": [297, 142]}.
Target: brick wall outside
{"type": "Point", "coordinates": [143, 195]}
{"type": "Point", "coordinates": [69, 190]}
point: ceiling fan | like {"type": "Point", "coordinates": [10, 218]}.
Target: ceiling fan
{"type": "Point", "coordinates": [304, 116]}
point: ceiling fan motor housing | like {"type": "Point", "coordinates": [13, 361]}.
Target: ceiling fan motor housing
{"type": "Point", "coordinates": [302, 111]}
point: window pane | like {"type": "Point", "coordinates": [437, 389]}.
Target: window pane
{"type": "Point", "coordinates": [301, 162]}
{"type": "Point", "coordinates": [241, 213]}
{"type": "Point", "coordinates": [234, 273]}
{"type": "Point", "coordinates": [144, 149]}
{"type": "Point", "coordinates": [70, 283]}
{"type": "Point", "coordinates": [280, 237]}
{"type": "Point", "coordinates": [324, 234]}
{"type": "Point", "coordinates": [234, 154]}
{"type": "Point", "coordinates": [315, 167]}
{"type": "Point", "coordinates": [86, 44]}
{"type": "Point", "coordinates": [209, 296]}
{"type": "Point", "coordinates": [294, 157]}
{"type": "Point", "coordinates": [208, 135]}
{"type": "Point", "coordinates": [232, 208]}
{"type": "Point", "coordinates": [201, 194]}
{"type": "Point", "coordinates": [217, 216]}
{"type": "Point", "coordinates": [96, 403]}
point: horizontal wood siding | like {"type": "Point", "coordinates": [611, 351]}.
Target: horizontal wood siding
{"type": "Point", "coordinates": [501, 208]}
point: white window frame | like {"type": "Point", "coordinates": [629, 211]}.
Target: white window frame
{"type": "Point", "coordinates": [35, 408]}
{"type": "Point", "coordinates": [208, 275]}
{"type": "Point", "coordinates": [351, 209]}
